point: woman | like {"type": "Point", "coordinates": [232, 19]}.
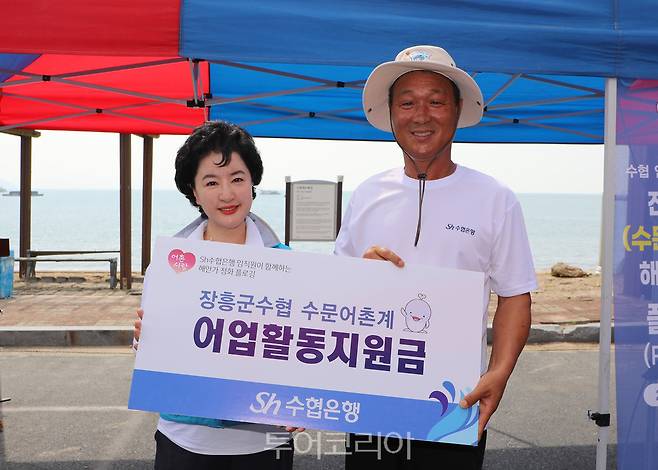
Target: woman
{"type": "Point", "coordinates": [217, 169]}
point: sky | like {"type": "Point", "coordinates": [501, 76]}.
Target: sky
{"type": "Point", "coordinates": [86, 160]}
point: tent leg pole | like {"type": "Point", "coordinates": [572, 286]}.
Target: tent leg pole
{"type": "Point", "coordinates": [607, 221]}
{"type": "Point", "coordinates": [125, 212]}
{"type": "Point", "coordinates": [25, 202]}
{"type": "Point", "coordinates": [147, 197]}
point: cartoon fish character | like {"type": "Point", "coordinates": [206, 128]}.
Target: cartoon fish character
{"type": "Point", "coordinates": [417, 315]}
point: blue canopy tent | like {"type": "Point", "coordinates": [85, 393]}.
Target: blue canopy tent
{"type": "Point", "coordinates": [547, 108]}
{"type": "Point", "coordinates": [548, 71]}
{"type": "Point", "coordinates": [291, 69]}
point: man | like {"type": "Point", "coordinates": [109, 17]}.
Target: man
{"type": "Point", "coordinates": [436, 212]}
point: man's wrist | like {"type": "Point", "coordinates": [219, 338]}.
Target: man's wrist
{"type": "Point", "coordinates": [501, 370]}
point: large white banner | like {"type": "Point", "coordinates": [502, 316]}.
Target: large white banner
{"type": "Point", "coordinates": [274, 336]}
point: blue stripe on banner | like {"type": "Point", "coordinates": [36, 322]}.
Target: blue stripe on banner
{"type": "Point", "coordinates": [267, 403]}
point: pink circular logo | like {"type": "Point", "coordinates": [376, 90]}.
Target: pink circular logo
{"type": "Point", "coordinates": [181, 262]}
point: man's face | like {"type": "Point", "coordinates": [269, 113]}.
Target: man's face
{"type": "Point", "coordinates": [424, 113]}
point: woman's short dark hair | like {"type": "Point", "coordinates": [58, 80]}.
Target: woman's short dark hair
{"type": "Point", "coordinates": [223, 138]}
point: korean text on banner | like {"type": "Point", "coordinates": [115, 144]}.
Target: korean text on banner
{"type": "Point", "coordinates": [272, 336]}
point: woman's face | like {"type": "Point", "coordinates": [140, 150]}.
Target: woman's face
{"type": "Point", "coordinates": [223, 192]}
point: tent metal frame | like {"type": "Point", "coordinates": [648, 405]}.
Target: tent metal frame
{"type": "Point", "coordinates": [198, 100]}
{"type": "Point", "coordinates": [89, 111]}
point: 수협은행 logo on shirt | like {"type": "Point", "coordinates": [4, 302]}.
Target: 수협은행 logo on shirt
{"type": "Point", "coordinates": [461, 229]}
{"type": "Point", "coordinates": [417, 313]}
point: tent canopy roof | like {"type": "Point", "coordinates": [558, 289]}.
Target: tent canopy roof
{"type": "Point", "coordinates": [289, 69]}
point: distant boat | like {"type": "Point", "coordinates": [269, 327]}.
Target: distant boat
{"type": "Point", "coordinates": [18, 193]}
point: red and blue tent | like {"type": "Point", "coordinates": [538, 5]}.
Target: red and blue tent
{"type": "Point", "coordinates": [295, 68]}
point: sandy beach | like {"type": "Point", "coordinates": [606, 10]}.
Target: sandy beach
{"type": "Point", "coordinates": [580, 297]}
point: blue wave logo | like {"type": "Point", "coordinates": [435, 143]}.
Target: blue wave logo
{"type": "Point", "coordinates": [454, 422]}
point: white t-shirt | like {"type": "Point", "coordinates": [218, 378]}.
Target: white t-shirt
{"type": "Point", "coordinates": [245, 438]}
{"type": "Point", "coordinates": [469, 221]}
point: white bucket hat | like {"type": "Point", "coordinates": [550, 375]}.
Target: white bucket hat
{"type": "Point", "coordinates": [431, 58]}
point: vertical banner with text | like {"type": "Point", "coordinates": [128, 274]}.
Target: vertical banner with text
{"type": "Point", "coordinates": [636, 274]}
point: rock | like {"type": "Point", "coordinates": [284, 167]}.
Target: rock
{"type": "Point", "coordinates": [566, 270]}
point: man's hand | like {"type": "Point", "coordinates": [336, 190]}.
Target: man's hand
{"type": "Point", "coordinates": [511, 326]}
{"type": "Point", "coordinates": [488, 392]}
{"type": "Point", "coordinates": [138, 327]}
{"type": "Point", "coordinates": [383, 254]}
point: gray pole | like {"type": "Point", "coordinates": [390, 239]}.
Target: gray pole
{"type": "Point", "coordinates": [125, 226]}
{"type": "Point", "coordinates": [147, 198]}
{"type": "Point", "coordinates": [339, 203]}
{"type": "Point", "coordinates": [288, 221]}
{"type": "Point", "coordinates": [25, 202]}
{"type": "Point", "coordinates": [607, 241]}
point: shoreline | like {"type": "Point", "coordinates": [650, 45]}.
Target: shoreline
{"type": "Point", "coordinates": [569, 301]}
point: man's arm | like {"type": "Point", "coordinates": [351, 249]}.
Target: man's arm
{"type": "Point", "coordinates": [511, 326]}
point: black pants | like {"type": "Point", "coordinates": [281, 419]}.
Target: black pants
{"type": "Point", "coordinates": [169, 456]}
{"type": "Point", "coordinates": [391, 453]}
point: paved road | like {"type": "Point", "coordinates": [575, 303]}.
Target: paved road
{"type": "Point", "coordinates": [68, 412]}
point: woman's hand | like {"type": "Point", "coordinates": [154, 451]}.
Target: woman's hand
{"type": "Point", "coordinates": [383, 254]}
{"type": "Point", "coordinates": [293, 429]}
{"type": "Point", "coordinates": [138, 328]}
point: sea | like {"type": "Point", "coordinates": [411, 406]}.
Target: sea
{"type": "Point", "coordinates": [561, 227]}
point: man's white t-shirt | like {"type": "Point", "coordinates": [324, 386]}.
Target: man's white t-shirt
{"type": "Point", "coordinates": [470, 221]}
{"type": "Point", "coordinates": [244, 438]}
